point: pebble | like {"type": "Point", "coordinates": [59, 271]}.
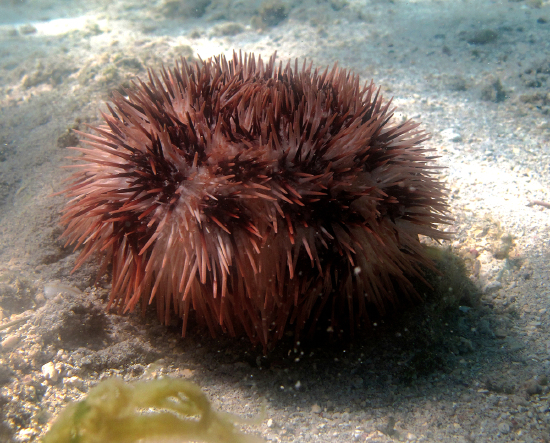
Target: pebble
{"type": "Point", "coordinates": [40, 298]}
{"type": "Point", "coordinates": [491, 287]}
{"type": "Point", "coordinates": [484, 327]}
{"type": "Point", "coordinates": [49, 372]}
{"type": "Point", "coordinates": [316, 409]}
{"type": "Point", "coordinates": [504, 428]}
{"type": "Point", "coordinates": [10, 341]}
{"type": "Point", "coordinates": [465, 345]}
{"type": "Point", "coordinates": [451, 135]}
{"type": "Point", "coordinates": [74, 382]}
{"type": "Point", "coordinates": [26, 434]}
{"type": "Point", "coordinates": [357, 383]}
{"type": "Point", "coordinates": [515, 345]}
{"type": "Point", "coordinates": [53, 288]}
{"type": "Point", "coordinates": [533, 387]}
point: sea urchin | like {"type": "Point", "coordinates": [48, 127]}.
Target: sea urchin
{"type": "Point", "coordinates": [256, 197]}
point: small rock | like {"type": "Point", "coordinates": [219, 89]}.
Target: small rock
{"type": "Point", "coordinates": [229, 29]}
{"type": "Point", "coordinates": [457, 83]}
{"type": "Point", "coordinates": [316, 409]}
{"type": "Point", "coordinates": [504, 428]}
{"type": "Point", "coordinates": [49, 372]}
{"type": "Point", "coordinates": [484, 327]}
{"type": "Point", "coordinates": [451, 135]}
{"type": "Point", "coordinates": [533, 387]}
{"type": "Point", "coordinates": [492, 287]}
{"type": "Point", "coordinates": [482, 37]}
{"type": "Point", "coordinates": [6, 375]}
{"type": "Point", "coordinates": [27, 29]}
{"type": "Point", "coordinates": [39, 298]}
{"type": "Point", "coordinates": [10, 341]}
{"type": "Point", "coordinates": [514, 345]}
{"type": "Point", "coordinates": [26, 434]}
{"type": "Point", "coordinates": [74, 382]}
{"type": "Point", "coordinates": [272, 13]}
{"type": "Point", "coordinates": [465, 345]}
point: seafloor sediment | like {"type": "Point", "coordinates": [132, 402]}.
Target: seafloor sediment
{"type": "Point", "coordinates": [466, 367]}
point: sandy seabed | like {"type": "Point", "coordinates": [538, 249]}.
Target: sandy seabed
{"type": "Point", "coordinates": [475, 73]}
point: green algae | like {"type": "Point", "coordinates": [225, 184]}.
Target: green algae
{"type": "Point", "coordinates": [161, 410]}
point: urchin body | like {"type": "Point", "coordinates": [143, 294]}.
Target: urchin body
{"type": "Point", "coordinates": [256, 197]}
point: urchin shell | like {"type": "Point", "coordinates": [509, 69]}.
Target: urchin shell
{"type": "Point", "coordinates": [256, 197]}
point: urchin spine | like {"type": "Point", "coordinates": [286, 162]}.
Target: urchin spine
{"type": "Point", "coordinates": [252, 194]}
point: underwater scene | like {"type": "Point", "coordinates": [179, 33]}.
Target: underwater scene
{"type": "Point", "coordinates": [274, 220]}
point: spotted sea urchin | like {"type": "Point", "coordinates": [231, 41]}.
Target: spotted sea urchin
{"type": "Point", "coordinates": [256, 197]}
